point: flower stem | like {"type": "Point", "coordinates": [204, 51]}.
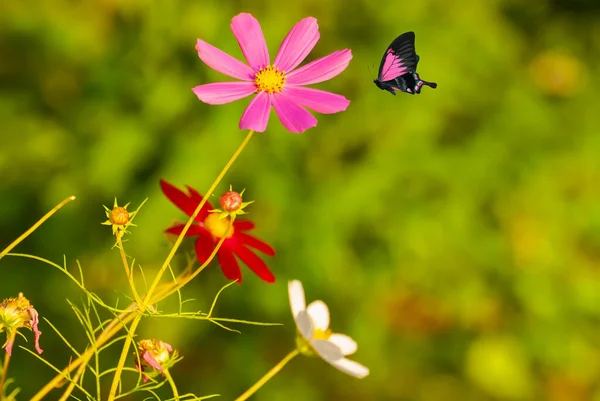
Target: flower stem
{"type": "Point", "coordinates": [197, 211]}
{"type": "Point", "coordinates": [186, 279]}
{"type": "Point", "coordinates": [124, 352]}
{"type": "Point", "coordinates": [110, 331]}
{"type": "Point", "coordinates": [5, 366]}
{"type": "Point", "coordinates": [35, 226]}
{"type": "Point", "coordinates": [163, 268]}
{"type": "Point", "coordinates": [268, 376]}
{"type": "Point", "coordinates": [172, 383]}
{"type": "Point", "coordinates": [128, 271]}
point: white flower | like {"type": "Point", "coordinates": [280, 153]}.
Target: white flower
{"type": "Point", "coordinates": [313, 325]}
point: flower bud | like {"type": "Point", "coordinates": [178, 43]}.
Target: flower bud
{"type": "Point", "coordinates": [230, 201]}
{"type": "Point", "coordinates": [155, 355]}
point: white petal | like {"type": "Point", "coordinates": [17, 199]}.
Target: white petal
{"type": "Point", "coordinates": [319, 313]}
{"type": "Point", "coordinates": [346, 344]}
{"type": "Point", "coordinates": [327, 350]}
{"type": "Point", "coordinates": [350, 367]}
{"type": "Point", "coordinates": [296, 294]}
{"type": "Point", "coordinates": [304, 324]}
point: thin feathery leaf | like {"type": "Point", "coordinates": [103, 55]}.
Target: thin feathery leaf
{"type": "Point", "coordinates": [217, 296]}
{"type": "Point", "coordinates": [224, 327]}
{"type": "Point", "coordinates": [225, 319]}
{"type": "Point", "coordinates": [112, 342]}
{"type": "Point", "coordinates": [63, 338]}
{"type": "Point", "coordinates": [57, 370]}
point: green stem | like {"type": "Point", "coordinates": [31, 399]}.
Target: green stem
{"type": "Point", "coordinates": [268, 376]}
{"type": "Point", "coordinates": [172, 383]}
{"type": "Point", "coordinates": [35, 226]}
{"type": "Point", "coordinates": [128, 271]}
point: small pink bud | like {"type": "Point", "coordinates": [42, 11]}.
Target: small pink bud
{"type": "Point", "coordinates": [230, 201]}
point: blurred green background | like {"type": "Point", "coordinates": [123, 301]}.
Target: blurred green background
{"type": "Point", "coordinates": [455, 234]}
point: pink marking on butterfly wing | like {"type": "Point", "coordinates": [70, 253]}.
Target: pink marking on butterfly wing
{"type": "Point", "coordinates": [393, 67]}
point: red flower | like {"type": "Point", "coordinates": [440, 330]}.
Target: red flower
{"type": "Point", "coordinates": [209, 230]}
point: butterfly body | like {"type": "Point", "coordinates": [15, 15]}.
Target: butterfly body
{"type": "Point", "coordinates": [398, 68]}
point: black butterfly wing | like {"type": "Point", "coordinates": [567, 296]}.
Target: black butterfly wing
{"type": "Point", "coordinates": [399, 58]}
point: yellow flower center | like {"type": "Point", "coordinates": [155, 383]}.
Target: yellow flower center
{"type": "Point", "coordinates": [269, 79]}
{"type": "Point", "coordinates": [321, 335]}
{"type": "Point", "coordinates": [217, 227]}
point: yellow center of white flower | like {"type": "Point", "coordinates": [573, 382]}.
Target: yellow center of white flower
{"type": "Point", "coordinates": [217, 227]}
{"type": "Point", "coordinates": [269, 79]}
{"type": "Point", "coordinates": [321, 335]}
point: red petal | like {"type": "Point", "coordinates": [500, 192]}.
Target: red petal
{"type": "Point", "coordinates": [197, 198]}
{"type": "Point", "coordinates": [204, 245]}
{"type": "Point", "coordinates": [179, 198]}
{"type": "Point", "coordinates": [243, 225]}
{"type": "Point", "coordinates": [229, 265]}
{"type": "Point", "coordinates": [255, 243]}
{"type": "Point", "coordinates": [254, 263]}
{"type": "Point", "coordinates": [194, 229]}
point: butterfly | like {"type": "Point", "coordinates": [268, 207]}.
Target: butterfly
{"type": "Point", "coordinates": [398, 68]}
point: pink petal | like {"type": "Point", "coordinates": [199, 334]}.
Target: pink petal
{"type": "Point", "coordinates": [317, 100]}
{"type": "Point", "coordinates": [146, 356]}
{"type": "Point", "coordinates": [224, 92]}
{"type": "Point", "coordinates": [251, 40]}
{"type": "Point", "coordinates": [220, 61]}
{"type": "Point", "coordinates": [9, 344]}
{"type": "Point", "coordinates": [297, 44]}
{"type": "Point", "coordinates": [256, 115]}
{"type": "Point", "coordinates": [322, 69]}
{"type": "Point", "coordinates": [293, 116]}
{"type": "Point", "coordinates": [34, 327]}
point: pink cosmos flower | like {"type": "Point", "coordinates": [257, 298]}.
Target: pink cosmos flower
{"type": "Point", "coordinates": [279, 84]}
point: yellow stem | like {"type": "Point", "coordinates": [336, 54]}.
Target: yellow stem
{"type": "Point", "coordinates": [5, 365]}
{"type": "Point", "coordinates": [133, 327]}
{"type": "Point", "coordinates": [186, 279]}
{"type": "Point", "coordinates": [124, 353]}
{"type": "Point", "coordinates": [197, 211]}
{"type": "Point", "coordinates": [110, 331]}
{"type": "Point", "coordinates": [268, 376]}
{"type": "Point", "coordinates": [71, 386]}
{"type": "Point", "coordinates": [128, 271]}
{"type": "Point", "coordinates": [113, 328]}
{"type": "Point", "coordinates": [172, 383]}
{"type": "Point", "coordinates": [35, 226]}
